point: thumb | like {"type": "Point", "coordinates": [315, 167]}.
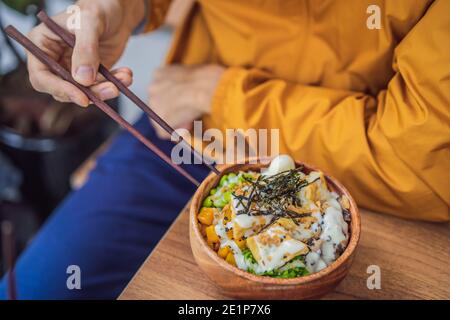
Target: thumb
{"type": "Point", "coordinates": [85, 56]}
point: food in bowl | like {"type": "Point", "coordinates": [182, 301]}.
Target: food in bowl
{"type": "Point", "coordinates": [280, 222]}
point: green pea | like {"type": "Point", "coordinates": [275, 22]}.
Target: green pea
{"type": "Point", "coordinates": [223, 180]}
{"type": "Point", "coordinates": [208, 202]}
{"type": "Point", "coordinates": [213, 191]}
{"type": "Point", "coordinates": [231, 175]}
{"type": "Point", "coordinates": [227, 196]}
{"type": "Point", "coordinates": [220, 203]}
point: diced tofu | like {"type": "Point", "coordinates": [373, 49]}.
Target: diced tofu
{"type": "Point", "coordinates": [344, 202]}
{"type": "Point", "coordinates": [274, 247]}
{"type": "Point", "coordinates": [301, 231]}
{"type": "Point", "coordinates": [316, 191]}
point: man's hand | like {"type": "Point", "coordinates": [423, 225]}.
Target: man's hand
{"type": "Point", "coordinates": [105, 28]}
{"type": "Point", "coordinates": [182, 94]}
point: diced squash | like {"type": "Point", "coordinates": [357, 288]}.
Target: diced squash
{"type": "Point", "coordinates": [223, 252]}
{"type": "Point", "coordinates": [226, 214]}
{"type": "Point", "coordinates": [230, 233]}
{"type": "Point", "coordinates": [211, 235]}
{"type": "Point", "coordinates": [206, 215]}
{"type": "Point", "coordinates": [230, 259]}
{"type": "Point", "coordinates": [241, 243]}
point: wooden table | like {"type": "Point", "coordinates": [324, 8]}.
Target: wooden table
{"type": "Point", "coordinates": [414, 258]}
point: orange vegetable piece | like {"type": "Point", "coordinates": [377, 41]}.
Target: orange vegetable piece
{"type": "Point", "coordinates": [241, 243]}
{"type": "Point", "coordinates": [206, 215]}
{"type": "Point", "coordinates": [226, 214]}
{"type": "Point", "coordinates": [230, 259]}
{"type": "Point", "coordinates": [211, 235]}
{"type": "Point", "coordinates": [230, 234]}
{"type": "Point", "coordinates": [223, 252]}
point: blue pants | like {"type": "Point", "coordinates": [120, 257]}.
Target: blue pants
{"type": "Point", "coordinates": [109, 226]}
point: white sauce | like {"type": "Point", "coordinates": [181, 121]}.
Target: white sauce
{"type": "Point", "coordinates": [334, 231]}
{"type": "Point", "coordinates": [246, 221]}
{"type": "Point", "coordinates": [314, 262]}
{"type": "Point", "coordinates": [225, 241]}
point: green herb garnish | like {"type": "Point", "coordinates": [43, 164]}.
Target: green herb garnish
{"type": "Point", "coordinates": [248, 255]}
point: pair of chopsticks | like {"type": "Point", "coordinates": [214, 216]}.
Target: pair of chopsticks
{"type": "Point", "coordinates": [57, 69]}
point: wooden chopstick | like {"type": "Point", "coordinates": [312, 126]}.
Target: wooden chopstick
{"type": "Point", "coordinates": [64, 74]}
{"type": "Point", "coordinates": [69, 39]}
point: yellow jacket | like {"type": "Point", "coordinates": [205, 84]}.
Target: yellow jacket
{"type": "Point", "coordinates": [369, 106]}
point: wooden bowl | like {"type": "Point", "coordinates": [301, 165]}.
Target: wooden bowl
{"type": "Point", "coordinates": [238, 283]}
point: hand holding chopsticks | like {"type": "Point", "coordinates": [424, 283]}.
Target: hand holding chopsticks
{"type": "Point", "coordinates": [69, 39]}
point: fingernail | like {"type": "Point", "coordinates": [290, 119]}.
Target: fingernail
{"type": "Point", "coordinates": [107, 93]}
{"type": "Point", "coordinates": [77, 101]}
{"type": "Point", "coordinates": [85, 74]}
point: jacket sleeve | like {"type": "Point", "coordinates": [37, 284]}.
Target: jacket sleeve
{"type": "Point", "coordinates": [392, 151]}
